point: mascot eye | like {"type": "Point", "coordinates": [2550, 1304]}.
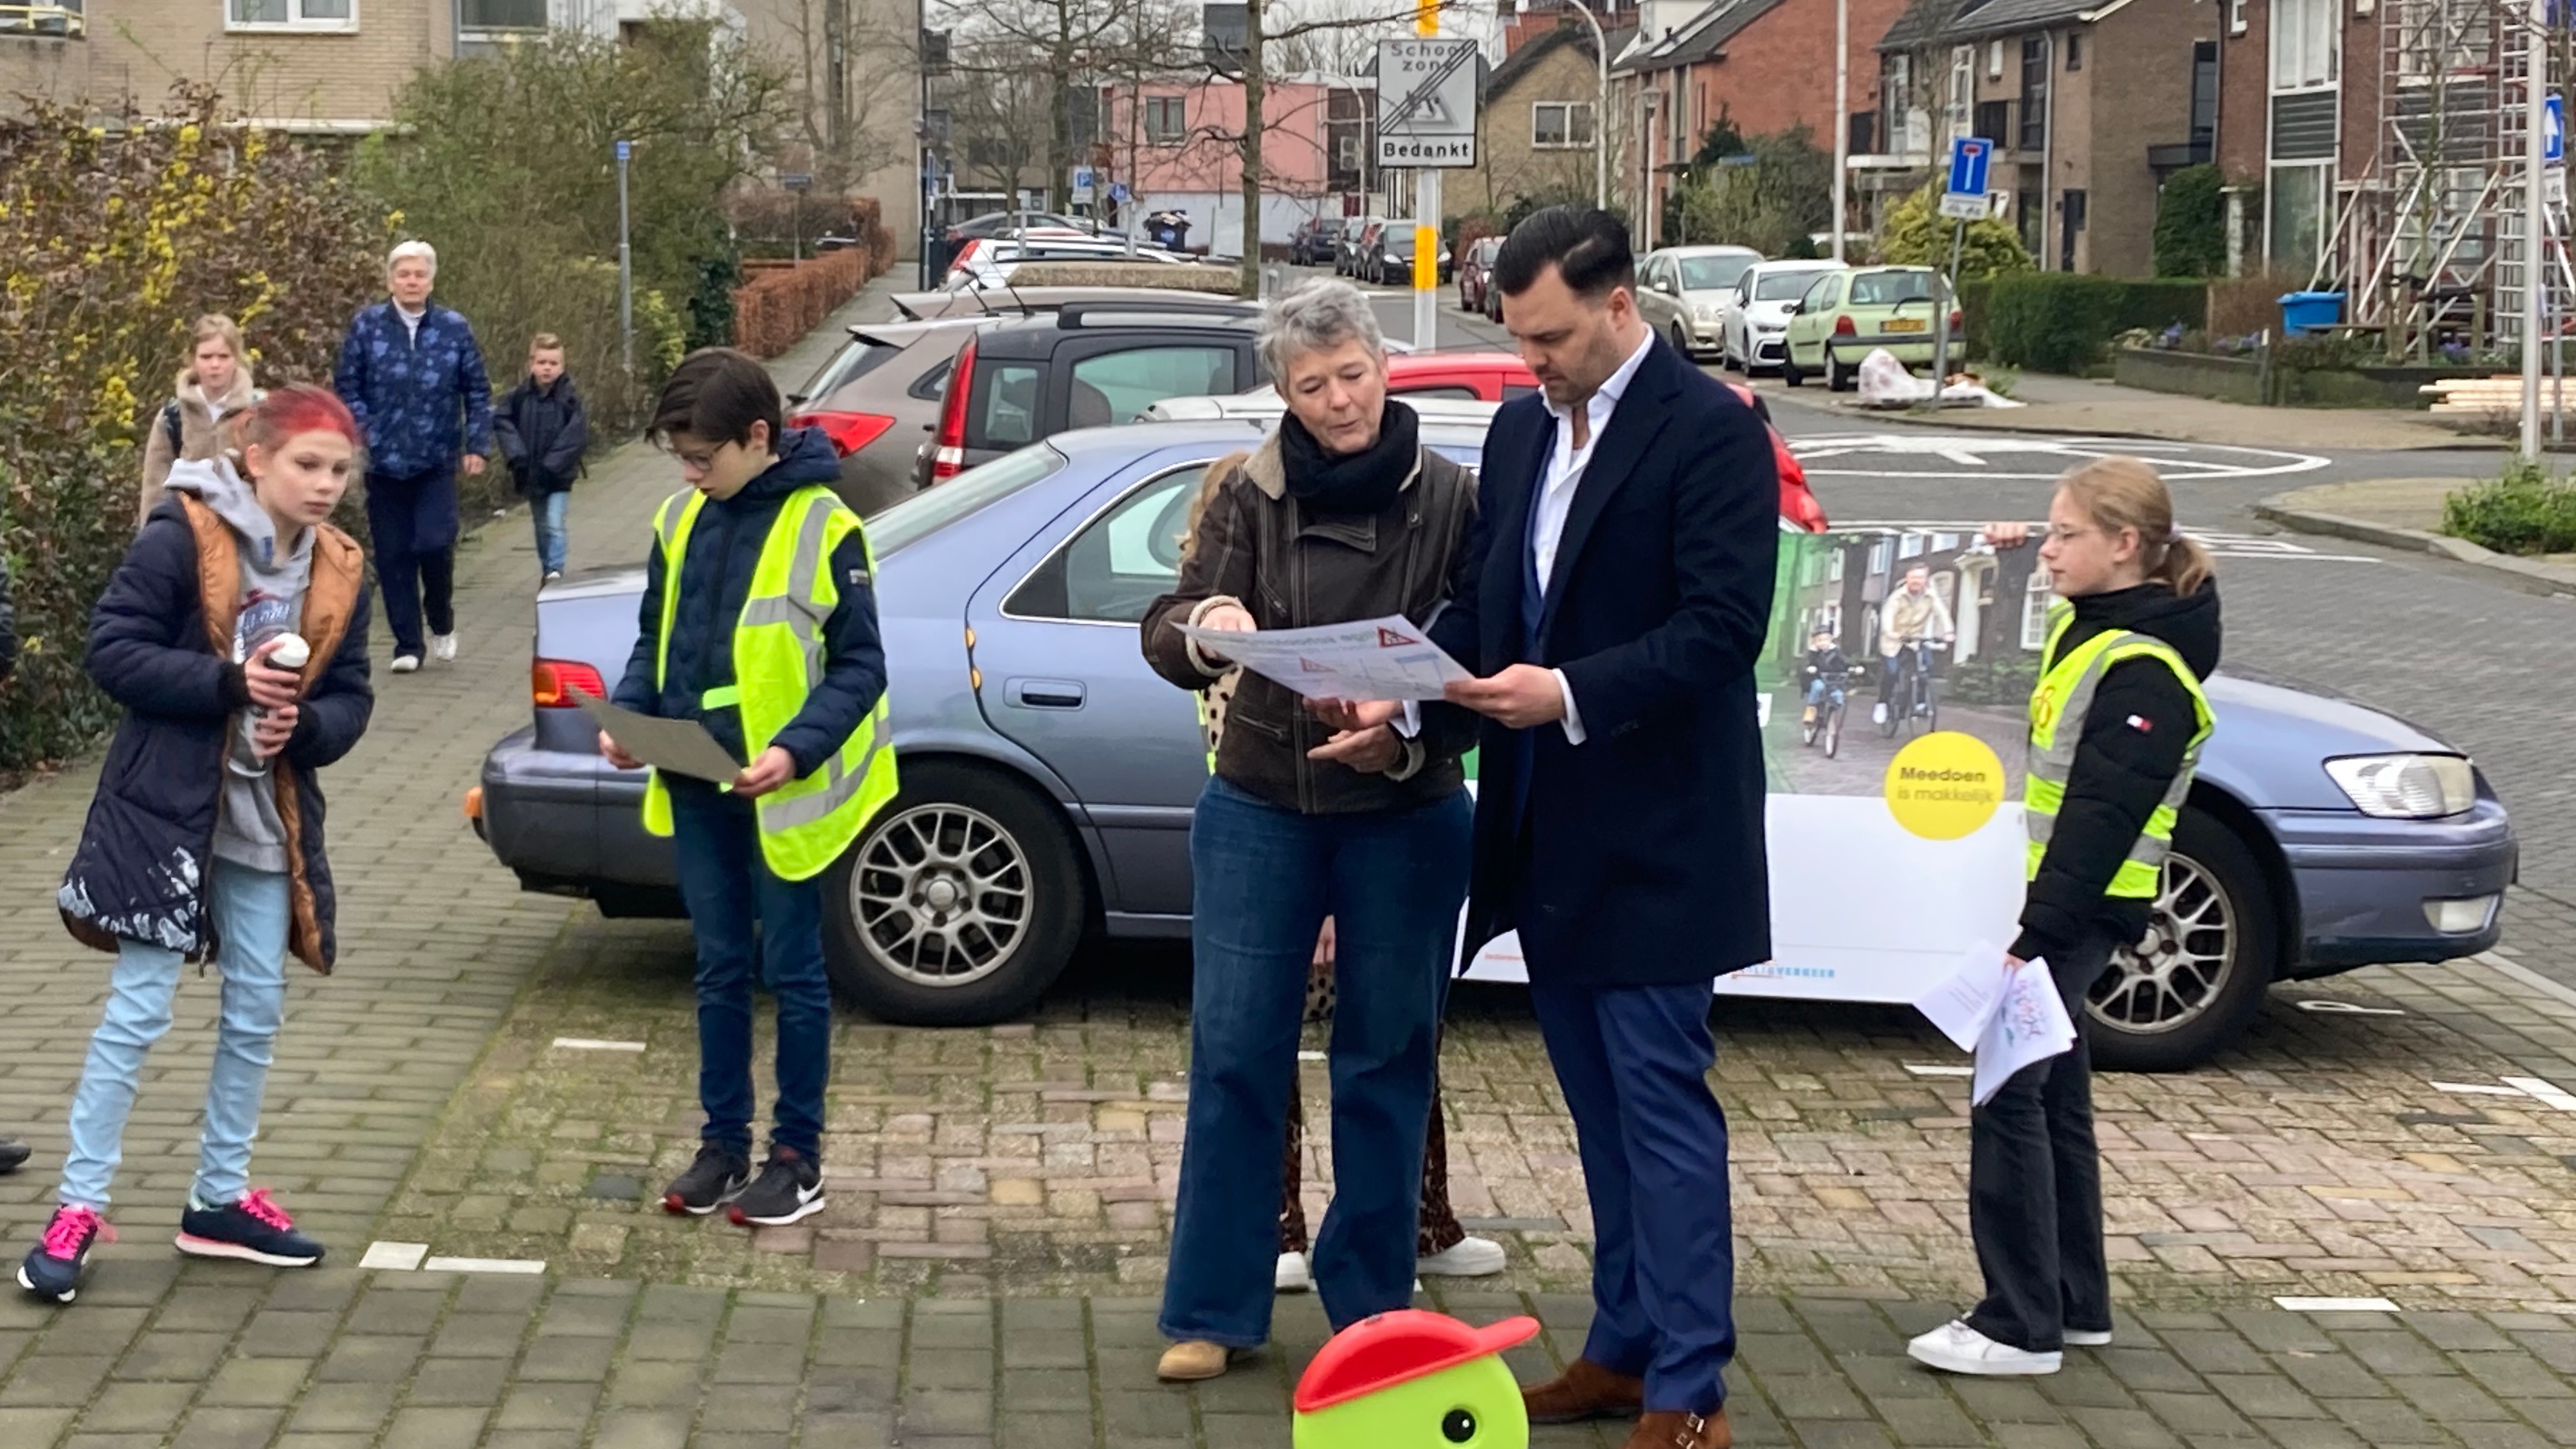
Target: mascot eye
{"type": "Point", "coordinates": [1459, 1427]}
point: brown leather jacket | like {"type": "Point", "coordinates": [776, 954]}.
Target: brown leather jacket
{"type": "Point", "coordinates": [1256, 547]}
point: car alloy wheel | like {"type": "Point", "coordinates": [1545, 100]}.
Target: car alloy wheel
{"type": "Point", "coordinates": [2180, 966]}
{"type": "Point", "coordinates": [2197, 977]}
{"type": "Point", "coordinates": [941, 895]}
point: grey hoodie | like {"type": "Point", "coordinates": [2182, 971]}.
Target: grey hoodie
{"type": "Point", "coordinates": [249, 831]}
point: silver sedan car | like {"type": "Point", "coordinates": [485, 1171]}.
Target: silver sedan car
{"type": "Point", "coordinates": [1679, 290]}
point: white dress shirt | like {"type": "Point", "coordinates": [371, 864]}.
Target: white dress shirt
{"type": "Point", "coordinates": [1566, 465]}
{"type": "Point", "coordinates": [411, 320]}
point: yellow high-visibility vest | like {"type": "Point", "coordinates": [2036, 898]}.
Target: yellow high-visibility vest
{"type": "Point", "coordinates": [778, 658]}
{"type": "Point", "coordinates": [2058, 706]}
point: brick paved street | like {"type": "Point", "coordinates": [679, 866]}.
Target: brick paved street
{"type": "Point", "coordinates": [986, 1272]}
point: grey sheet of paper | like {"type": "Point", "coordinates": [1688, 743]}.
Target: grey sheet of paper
{"type": "Point", "coordinates": [681, 746]}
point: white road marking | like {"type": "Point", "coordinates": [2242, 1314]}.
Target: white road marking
{"type": "Point", "coordinates": [399, 1257]}
{"type": "Point", "coordinates": [2179, 462]}
{"type": "Point", "coordinates": [484, 1265]}
{"type": "Point", "coordinates": [595, 1044]}
{"type": "Point", "coordinates": [2472, 1089]}
{"type": "Point", "coordinates": [2219, 543]}
{"type": "Point", "coordinates": [1921, 1070]}
{"type": "Point", "coordinates": [2324, 1007]}
{"type": "Point", "coordinates": [2336, 1305]}
{"type": "Point", "coordinates": [2544, 1091]}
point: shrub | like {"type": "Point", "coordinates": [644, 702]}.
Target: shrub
{"type": "Point", "coordinates": [113, 238]}
{"type": "Point", "coordinates": [786, 300]}
{"type": "Point", "coordinates": [1915, 234]}
{"type": "Point", "coordinates": [2064, 321]}
{"type": "Point", "coordinates": [2525, 511]}
{"type": "Point", "coordinates": [1772, 204]}
{"type": "Point", "coordinates": [2191, 224]}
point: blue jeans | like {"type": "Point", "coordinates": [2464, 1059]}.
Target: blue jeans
{"type": "Point", "coordinates": [249, 909]}
{"type": "Point", "coordinates": [750, 923]}
{"type": "Point", "coordinates": [1264, 880]}
{"type": "Point", "coordinates": [1633, 1062]}
{"type": "Point", "coordinates": [546, 511]}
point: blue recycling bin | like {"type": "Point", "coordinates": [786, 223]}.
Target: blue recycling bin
{"type": "Point", "coordinates": [2310, 311]}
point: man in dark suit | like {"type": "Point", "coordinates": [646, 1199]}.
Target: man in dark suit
{"type": "Point", "coordinates": [1614, 596]}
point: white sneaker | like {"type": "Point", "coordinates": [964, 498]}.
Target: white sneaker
{"type": "Point", "coordinates": [1467, 1258]}
{"type": "Point", "coordinates": [551, 576]}
{"type": "Point", "coordinates": [406, 664]}
{"type": "Point", "coordinates": [1956, 1348]}
{"type": "Point", "coordinates": [1292, 1276]}
{"type": "Point", "coordinates": [2088, 1338]}
{"type": "Point", "coordinates": [1878, 714]}
{"type": "Point", "coordinates": [442, 647]}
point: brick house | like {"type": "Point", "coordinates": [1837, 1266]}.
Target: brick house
{"type": "Point", "coordinates": [2091, 104]}
{"type": "Point", "coordinates": [1764, 66]}
{"type": "Point", "coordinates": [333, 67]}
{"type": "Point", "coordinates": [2299, 117]}
{"type": "Point", "coordinates": [1535, 119]}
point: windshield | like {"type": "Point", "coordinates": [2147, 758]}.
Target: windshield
{"type": "Point", "coordinates": [1886, 289]}
{"type": "Point", "coordinates": [1783, 286]}
{"type": "Point", "coordinates": [1713, 274]}
{"type": "Point", "coordinates": [972, 491]}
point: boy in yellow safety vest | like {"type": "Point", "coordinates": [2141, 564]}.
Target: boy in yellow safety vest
{"type": "Point", "coordinates": [759, 622]}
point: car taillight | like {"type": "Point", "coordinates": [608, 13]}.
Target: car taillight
{"type": "Point", "coordinates": [849, 432]}
{"type": "Point", "coordinates": [948, 452]}
{"type": "Point", "coordinates": [1956, 319]}
{"type": "Point", "coordinates": [551, 682]}
{"type": "Point", "coordinates": [1843, 326]}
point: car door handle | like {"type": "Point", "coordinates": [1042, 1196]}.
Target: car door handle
{"type": "Point", "coordinates": [1044, 693]}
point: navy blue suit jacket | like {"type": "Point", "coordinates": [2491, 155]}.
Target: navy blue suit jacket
{"type": "Point", "coordinates": [1637, 857]}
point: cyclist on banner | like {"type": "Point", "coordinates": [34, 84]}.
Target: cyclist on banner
{"type": "Point", "coordinates": [1911, 625]}
{"type": "Point", "coordinates": [1825, 671]}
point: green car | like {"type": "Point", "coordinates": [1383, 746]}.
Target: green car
{"type": "Point", "coordinates": [1846, 316]}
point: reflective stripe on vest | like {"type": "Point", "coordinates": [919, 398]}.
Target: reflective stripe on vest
{"type": "Point", "coordinates": [778, 657]}
{"type": "Point", "coordinates": [2059, 704]}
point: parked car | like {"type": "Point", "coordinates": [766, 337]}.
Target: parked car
{"type": "Point", "coordinates": [1386, 255]}
{"type": "Point", "coordinates": [1484, 376]}
{"type": "Point", "coordinates": [993, 263]}
{"type": "Point", "coordinates": [1048, 778]}
{"type": "Point", "coordinates": [1357, 233]}
{"type": "Point", "coordinates": [1030, 301]}
{"type": "Point", "coordinates": [1476, 277]}
{"type": "Point", "coordinates": [1003, 223]}
{"type": "Point", "coordinates": [1679, 288]}
{"type": "Point", "coordinates": [875, 397]}
{"type": "Point", "coordinates": [1753, 320]}
{"type": "Point", "coordinates": [1312, 244]}
{"type": "Point", "coordinates": [1089, 365]}
{"type": "Point", "coordinates": [1845, 316]}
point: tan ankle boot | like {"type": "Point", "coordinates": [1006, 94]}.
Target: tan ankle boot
{"type": "Point", "coordinates": [1193, 1361]}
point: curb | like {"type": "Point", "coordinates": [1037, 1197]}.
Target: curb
{"type": "Point", "coordinates": [2007, 420]}
{"type": "Point", "coordinates": [2410, 540]}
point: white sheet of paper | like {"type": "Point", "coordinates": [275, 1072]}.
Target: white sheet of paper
{"type": "Point", "coordinates": [1368, 659]}
{"type": "Point", "coordinates": [1963, 1003]}
{"type": "Point", "coordinates": [681, 746]}
{"type": "Point", "coordinates": [2030, 1026]}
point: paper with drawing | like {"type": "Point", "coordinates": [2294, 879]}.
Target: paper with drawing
{"type": "Point", "coordinates": [2011, 1018]}
{"type": "Point", "coordinates": [1370, 659]}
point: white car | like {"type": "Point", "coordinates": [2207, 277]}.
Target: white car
{"type": "Point", "coordinates": [1753, 320]}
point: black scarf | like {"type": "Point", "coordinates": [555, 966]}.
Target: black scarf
{"type": "Point", "coordinates": [1362, 482]}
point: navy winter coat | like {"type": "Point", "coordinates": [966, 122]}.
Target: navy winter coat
{"type": "Point", "coordinates": [140, 871]}
{"type": "Point", "coordinates": [724, 551]}
{"type": "Point", "coordinates": [408, 393]}
{"type": "Point", "coordinates": [543, 433]}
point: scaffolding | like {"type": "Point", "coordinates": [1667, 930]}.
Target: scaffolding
{"type": "Point", "coordinates": [2433, 238]}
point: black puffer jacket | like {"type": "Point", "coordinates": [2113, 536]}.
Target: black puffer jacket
{"type": "Point", "coordinates": [542, 433]}
{"type": "Point", "coordinates": [2131, 749]}
{"type": "Point", "coordinates": [724, 552]}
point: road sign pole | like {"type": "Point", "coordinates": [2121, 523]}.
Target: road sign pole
{"type": "Point", "coordinates": [1941, 312]}
{"type": "Point", "coordinates": [625, 267]}
{"type": "Point", "coordinates": [1426, 212]}
{"type": "Point", "coordinates": [2535, 156]}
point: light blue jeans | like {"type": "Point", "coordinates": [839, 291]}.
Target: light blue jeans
{"type": "Point", "coordinates": [546, 511]}
{"type": "Point", "coordinates": [249, 908]}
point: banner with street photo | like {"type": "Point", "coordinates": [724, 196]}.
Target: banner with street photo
{"type": "Point", "coordinates": [1892, 691]}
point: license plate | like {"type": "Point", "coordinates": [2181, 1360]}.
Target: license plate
{"type": "Point", "coordinates": [1904, 324]}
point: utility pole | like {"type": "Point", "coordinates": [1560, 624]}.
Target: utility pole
{"type": "Point", "coordinates": [625, 266]}
{"type": "Point", "coordinates": [1842, 118]}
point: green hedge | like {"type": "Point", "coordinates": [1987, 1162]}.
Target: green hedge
{"type": "Point", "coordinates": [2526, 511]}
{"type": "Point", "coordinates": [2064, 321]}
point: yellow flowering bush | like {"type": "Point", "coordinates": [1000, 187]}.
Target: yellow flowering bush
{"type": "Point", "coordinates": [113, 238]}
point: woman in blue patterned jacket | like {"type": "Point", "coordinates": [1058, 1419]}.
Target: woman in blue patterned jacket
{"type": "Point", "coordinates": [413, 374]}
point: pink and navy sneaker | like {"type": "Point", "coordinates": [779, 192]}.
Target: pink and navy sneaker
{"type": "Point", "coordinates": [253, 1230]}
{"type": "Point", "coordinates": [53, 1267]}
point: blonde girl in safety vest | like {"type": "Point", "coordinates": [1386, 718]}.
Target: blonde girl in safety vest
{"type": "Point", "coordinates": [2117, 721]}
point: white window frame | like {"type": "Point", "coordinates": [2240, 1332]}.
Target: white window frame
{"type": "Point", "coordinates": [2306, 46]}
{"type": "Point", "coordinates": [295, 24]}
{"type": "Point", "coordinates": [2236, 21]}
{"type": "Point", "coordinates": [1995, 59]}
{"type": "Point", "coordinates": [482, 32]}
{"type": "Point", "coordinates": [1574, 119]}
{"type": "Point", "coordinates": [1911, 545]}
{"type": "Point", "coordinates": [2036, 596]}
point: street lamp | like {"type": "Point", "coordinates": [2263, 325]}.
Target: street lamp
{"type": "Point", "coordinates": [1600, 104]}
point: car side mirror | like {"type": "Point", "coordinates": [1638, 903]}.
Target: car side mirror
{"type": "Point", "coordinates": [1797, 307]}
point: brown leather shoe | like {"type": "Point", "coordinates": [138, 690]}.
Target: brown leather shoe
{"type": "Point", "coordinates": [1585, 1390]}
{"type": "Point", "coordinates": [1665, 1429]}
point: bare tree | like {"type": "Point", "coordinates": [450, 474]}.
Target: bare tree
{"type": "Point", "coordinates": [1071, 45]}
{"type": "Point", "coordinates": [854, 80]}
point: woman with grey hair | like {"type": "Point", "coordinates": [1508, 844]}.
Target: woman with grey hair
{"type": "Point", "coordinates": [412, 373]}
{"type": "Point", "coordinates": [1357, 814]}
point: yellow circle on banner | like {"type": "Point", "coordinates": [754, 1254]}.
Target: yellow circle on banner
{"type": "Point", "coordinates": [1945, 785]}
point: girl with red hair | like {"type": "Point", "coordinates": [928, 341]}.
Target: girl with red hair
{"type": "Point", "coordinates": [234, 634]}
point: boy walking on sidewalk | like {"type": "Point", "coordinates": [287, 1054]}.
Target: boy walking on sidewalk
{"type": "Point", "coordinates": [543, 432]}
{"type": "Point", "coordinates": [750, 559]}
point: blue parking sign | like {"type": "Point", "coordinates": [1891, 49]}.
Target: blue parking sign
{"type": "Point", "coordinates": [625, 149]}
{"type": "Point", "coordinates": [1968, 158]}
{"type": "Point", "coordinates": [2553, 133]}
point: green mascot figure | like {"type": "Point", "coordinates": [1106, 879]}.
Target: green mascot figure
{"type": "Point", "coordinates": [1414, 1380]}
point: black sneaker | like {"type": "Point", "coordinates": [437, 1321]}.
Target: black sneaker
{"type": "Point", "coordinates": [53, 1267]}
{"type": "Point", "coordinates": [253, 1230]}
{"type": "Point", "coordinates": [716, 1178]}
{"type": "Point", "coordinates": [790, 1188]}
{"type": "Point", "coordinates": [13, 1154]}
